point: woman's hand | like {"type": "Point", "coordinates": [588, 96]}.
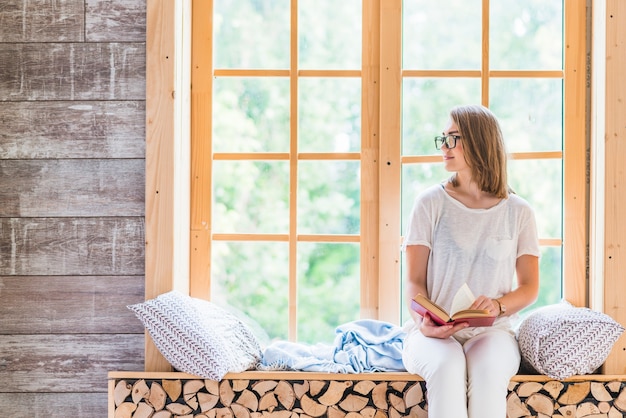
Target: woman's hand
{"type": "Point", "coordinates": [484, 302]}
{"type": "Point", "coordinates": [430, 328]}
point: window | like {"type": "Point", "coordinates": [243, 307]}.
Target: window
{"type": "Point", "coordinates": [312, 127]}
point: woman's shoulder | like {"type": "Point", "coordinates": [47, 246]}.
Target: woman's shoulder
{"type": "Point", "coordinates": [518, 202]}
{"type": "Point", "coordinates": [516, 199]}
{"type": "Point", "coordinates": [432, 193]}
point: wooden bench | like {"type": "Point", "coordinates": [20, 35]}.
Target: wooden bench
{"type": "Point", "coordinates": [288, 394]}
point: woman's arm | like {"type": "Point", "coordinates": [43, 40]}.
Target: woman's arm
{"type": "Point", "coordinates": [527, 268]}
{"type": "Point", "coordinates": [417, 267]}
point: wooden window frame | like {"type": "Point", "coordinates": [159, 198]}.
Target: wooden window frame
{"type": "Point", "coordinates": [177, 219]}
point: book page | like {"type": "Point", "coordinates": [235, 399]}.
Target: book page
{"type": "Point", "coordinates": [462, 300]}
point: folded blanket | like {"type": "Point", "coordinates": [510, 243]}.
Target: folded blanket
{"type": "Point", "coordinates": [365, 345]}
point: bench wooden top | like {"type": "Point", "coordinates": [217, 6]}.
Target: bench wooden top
{"type": "Point", "coordinates": [376, 376]}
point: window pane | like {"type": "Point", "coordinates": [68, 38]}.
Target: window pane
{"type": "Point", "coordinates": [330, 115]}
{"type": "Point", "coordinates": [328, 289]}
{"type": "Point", "coordinates": [405, 310]}
{"type": "Point", "coordinates": [540, 183]}
{"type": "Point", "coordinates": [526, 35]}
{"type": "Point", "coordinates": [550, 280]}
{"type": "Point", "coordinates": [329, 34]}
{"type": "Point", "coordinates": [251, 34]}
{"type": "Point", "coordinates": [426, 105]}
{"type": "Point", "coordinates": [254, 285]}
{"type": "Point", "coordinates": [444, 34]}
{"type": "Point", "coordinates": [251, 115]}
{"type": "Point", "coordinates": [329, 197]}
{"type": "Point", "coordinates": [415, 179]}
{"type": "Point", "coordinates": [530, 113]}
{"type": "Point", "coordinates": [251, 197]}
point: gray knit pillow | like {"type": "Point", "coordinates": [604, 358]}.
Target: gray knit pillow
{"type": "Point", "coordinates": [561, 340]}
{"type": "Point", "coordinates": [197, 336]}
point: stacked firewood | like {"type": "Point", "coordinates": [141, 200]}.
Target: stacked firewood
{"type": "Point", "coordinates": [244, 398]}
{"type": "Point", "coordinates": [566, 399]}
{"type": "Point", "coordinates": [281, 398]}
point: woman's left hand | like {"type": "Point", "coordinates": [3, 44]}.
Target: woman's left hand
{"type": "Point", "coordinates": [431, 329]}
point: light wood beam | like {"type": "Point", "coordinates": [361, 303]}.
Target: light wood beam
{"type": "Point", "coordinates": [390, 168]}
{"type": "Point", "coordinates": [370, 134]}
{"type": "Point", "coordinates": [201, 148]}
{"type": "Point", "coordinates": [575, 192]}
{"type": "Point", "coordinates": [615, 178]}
{"type": "Point", "coordinates": [167, 156]}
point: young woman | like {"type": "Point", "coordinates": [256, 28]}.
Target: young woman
{"type": "Point", "coordinates": [470, 230]}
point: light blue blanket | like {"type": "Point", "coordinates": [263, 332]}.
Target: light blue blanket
{"type": "Point", "coordinates": [365, 345]}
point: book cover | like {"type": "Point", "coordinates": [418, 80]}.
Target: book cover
{"type": "Point", "coordinates": [474, 317]}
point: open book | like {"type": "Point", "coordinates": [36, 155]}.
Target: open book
{"type": "Point", "coordinates": [460, 313]}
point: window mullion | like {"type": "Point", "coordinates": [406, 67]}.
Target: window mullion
{"type": "Point", "coordinates": [575, 230]}
{"type": "Point", "coordinates": [389, 163]}
{"type": "Point", "coordinates": [293, 175]}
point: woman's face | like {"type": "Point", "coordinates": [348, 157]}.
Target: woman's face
{"type": "Point", "coordinates": [453, 158]}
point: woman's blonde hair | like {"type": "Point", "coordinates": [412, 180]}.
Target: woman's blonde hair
{"type": "Point", "coordinates": [483, 146]}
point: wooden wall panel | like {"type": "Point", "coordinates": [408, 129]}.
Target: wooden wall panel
{"type": "Point", "coordinates": [71, 246]}
{"type": "Point", "coordinates": [72, 193]}
{"type": "Point", "coordinates": [39, 304]}
{"type": "Point", "coordinates": [104, 187]}
{"type": "Point", "coordinates": [53, 405]}
{"type": "Point", "coordinates": [73, 129]}
{"type": "Point", "coordinates": [615, 178]}
{"type": "Point", "coordinates": [72, 71]}
{"type": "Point", "coordinates": [41, 21]}
{"type": "Point", "coordinates": [66, 363]}
{"type": "Point", "coordinates": [167, 155]}
{"type": "Point", "coordinates": [115, 21]}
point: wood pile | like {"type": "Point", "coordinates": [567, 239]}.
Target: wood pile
{"type": "Point", "coordinates": [247, 398]}
{"type": "Point", "coordinates": [567, 399]}
{"type": "Point", "coordinates": [280, 398]}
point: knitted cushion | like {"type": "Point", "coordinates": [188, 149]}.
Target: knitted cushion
{"type": "Point", "coordinates": [561, 340]}
{"type": "Point", "coordinates": [197, 336]}
{"type": "Point", "coordinates": [240, 341]}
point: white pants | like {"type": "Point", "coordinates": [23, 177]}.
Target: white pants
{"type": "Point", "coordinates": [464, 379]}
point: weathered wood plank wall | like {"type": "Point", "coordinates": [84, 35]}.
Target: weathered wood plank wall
{"type": "Point", "coordinates": [72, 201]}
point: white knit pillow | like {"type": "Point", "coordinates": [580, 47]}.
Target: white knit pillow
{"type": "Point", "coordinates": [197, 336]}
{"type": "Point", "coordinates": [561, 340]}
{"type": "Point", "coordinates": [242, 344]}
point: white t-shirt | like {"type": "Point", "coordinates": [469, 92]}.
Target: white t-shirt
{"type": "Point", "coordinates": [474, 246]}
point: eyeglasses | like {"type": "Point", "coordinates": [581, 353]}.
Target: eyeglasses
{"type": "Point", "coordinates": [449, 140]}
